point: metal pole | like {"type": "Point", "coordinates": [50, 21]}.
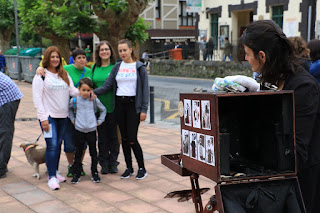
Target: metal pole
{"type": "Point", "coordinates": [17, 37]}
{"type": "Point", "coordinates": [309, 22]}
{"type": "Point", "coordinates": [151, 105]}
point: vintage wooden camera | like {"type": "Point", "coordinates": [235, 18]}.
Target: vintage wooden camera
{"type": "Point", "coordinates": [245, 142]}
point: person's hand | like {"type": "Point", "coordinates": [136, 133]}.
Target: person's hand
{"type": "Point", "coordinates": [98, 124]}
{"type": "Point", "coordinates": [40, 71]}
{"type": "Point", "coordinates": [143, 116]}
{"type": "Point", "coordinates": [45, 125]}
{"type": "Point", "coordinates": [92, 96]}
{"type": "Point", "coordinates": [73, 122]}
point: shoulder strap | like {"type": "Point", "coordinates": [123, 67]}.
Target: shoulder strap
{"type": "Point", "coordinates": [93, 68]}
{"type": "Point", "coordinates": [84, 70]}
{"type": "Point", "coordinates": [74, 107]}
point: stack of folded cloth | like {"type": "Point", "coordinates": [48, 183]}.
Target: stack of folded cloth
{"type": "Point", "coordinates": [236, 83]}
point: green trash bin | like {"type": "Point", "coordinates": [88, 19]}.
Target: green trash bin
{"type": "Point", "coordinates": [29, 59]}
{"type": "Point", "coordinates": [12, 63]}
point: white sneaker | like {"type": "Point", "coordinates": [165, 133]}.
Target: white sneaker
{"type": "Point", "coordinates": [53, 183]}
{"type": "Point", "coordinates": [60, 178]}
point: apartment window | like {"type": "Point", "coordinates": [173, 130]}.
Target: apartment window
{"type": "Point", "coordinates": [277, 15]}
{"type": "Point", "coordinates": [158, 8]}
{"type": "Point", "coordinates": [214, 28]}
{"type": "Point", "coordinates": [186, 19]}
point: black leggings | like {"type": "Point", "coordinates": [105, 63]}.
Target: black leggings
{"type": "Point", "coordinates": [128, 121]}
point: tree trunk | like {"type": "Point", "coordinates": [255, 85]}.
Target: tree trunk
{"type": "Point", "coordinates": [118, 23]}
{"type": "Point", "coordinates": [5, 38]}
{"type": "Point", "coordinates": [63, 46]}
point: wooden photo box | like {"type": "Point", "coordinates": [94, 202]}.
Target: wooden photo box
{"type": "Point", "coordinates": [238, 136]}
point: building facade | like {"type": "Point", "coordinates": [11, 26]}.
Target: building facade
{"type": "Point", "coordinates": [169, 23]}
{"type": "Point", "coordinates": [229, 18]}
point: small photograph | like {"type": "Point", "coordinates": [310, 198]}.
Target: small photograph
{"type": "Point", "coordinates": [187, 112]}
{"type": "Point", "coordinates": [185, 142]}
{"type": "Point", "coordinates": [210, 158]}
{"type": "Point", "coordinates": [201, 147]}
{"type": "Point", "coordinates": [193, 145]}
{"type": "Point", "coordinates": [196, 114]}
{"type": "Point", "coordinates": [205, 114]}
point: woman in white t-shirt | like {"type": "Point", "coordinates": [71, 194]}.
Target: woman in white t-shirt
{"type": "Point", "coordinates": [51, 100]}
{"type": "Point", "coordinates": [129, 80]}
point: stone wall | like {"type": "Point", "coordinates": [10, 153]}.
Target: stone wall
{"type": "Point", "coordinates": [198, 69]}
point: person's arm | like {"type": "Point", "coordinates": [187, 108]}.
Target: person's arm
{"type": "Point", "coordinates": [37, 96]}
{"type": "Point", "coordinates": [108, 83]}
{"type": "Point", "coordinates": [103, 111]}
{"type": "Point", "coordinates": [71, 111]}
{"type": "Point", "coordinates": [306, 109]}
{"type": "Point", "coordinates": [73, 91]}
{"type": "Point", "coordinates": [145, 93]}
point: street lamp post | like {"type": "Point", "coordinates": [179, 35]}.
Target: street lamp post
{"type": "Point", "coordinates": [17, 38]}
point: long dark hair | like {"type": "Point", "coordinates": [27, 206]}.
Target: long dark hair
{"type": "Point", "coordinates": [126, 41]}
{"type": "Point", "coordinates": [97, 57]}
{"type": "Point", "coordinates": [267, 36]}
{"type": "Point", "coordinates": [46, 63]}
{"type": "Point", "coordinates": [314, 46]}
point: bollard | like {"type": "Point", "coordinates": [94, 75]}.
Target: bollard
{"type": "Point", "coordinates": [151, 105]}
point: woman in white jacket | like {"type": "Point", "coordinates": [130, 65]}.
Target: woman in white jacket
{"type": "Point", "coordinates": [51, 99]}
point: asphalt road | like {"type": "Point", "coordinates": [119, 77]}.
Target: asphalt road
{"type": "Point", "coordinates": [166, 92]}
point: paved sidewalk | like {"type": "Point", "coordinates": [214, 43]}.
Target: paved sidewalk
{"type": "Point", "coordinates": [20, 192]}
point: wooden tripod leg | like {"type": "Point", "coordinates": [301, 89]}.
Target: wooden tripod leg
{"type": "Point", "coordinates": [196, 196]}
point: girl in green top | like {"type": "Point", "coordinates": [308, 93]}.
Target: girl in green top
{"type": "Point", "coordinates": [107, 132]}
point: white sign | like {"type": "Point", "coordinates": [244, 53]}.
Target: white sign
{"type": "Point", "coordinates": [291, 27]}
{"type": "Point", "coordinates": [193, 6]}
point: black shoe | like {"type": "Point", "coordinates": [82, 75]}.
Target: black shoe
{"type": "Point", "coordinates": [113, 169]}
{"type": "Point", "coordinates": [142, 174]}
{"type": "Point", "coordinates": [75, 179]}
{"type": "Point", "coordinates": [3, 175]}
{"type": "Point", "coordinates": [95, 178]}
{"type": "Point", "coordinates": [105, 170]}
{"type": "Point", "coordinates": [127, 173]}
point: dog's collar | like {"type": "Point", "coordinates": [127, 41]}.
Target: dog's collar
{"type": "Point", "coordinates": [28, 147]}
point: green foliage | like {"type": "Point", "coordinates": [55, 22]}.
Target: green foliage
{"type": "Point", "coordinates": [46, 42]}
{"type": "Point", "coordinates": [61, 18]}
{"type": "Point", "coordinates": [137, 32]}
{"type": "Point", "coordinates": [115, 5]}
{"type": "Point", "coordinates": [6, 14]}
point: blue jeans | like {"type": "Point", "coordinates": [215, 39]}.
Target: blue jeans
{"type": "Point", "coordinates": [225, 57]}
{"type": "Point", "coordinates": [53, 151]}
{"type": "Point", "coordinates": [69, 140]}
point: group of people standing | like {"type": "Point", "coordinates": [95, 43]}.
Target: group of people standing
{"type": "Point", "coordinates": [207, 48]}
{"type": "Point", "coordinates": [117, 92]}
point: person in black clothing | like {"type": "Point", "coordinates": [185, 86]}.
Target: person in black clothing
{"type": "Point", "coordinates": [269, 52]}
{"type": "Point", "coordinates": [210, 47]}
{"type": "Point", "coordinates": [185, 50]}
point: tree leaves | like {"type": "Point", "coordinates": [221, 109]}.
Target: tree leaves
{"type": "Point", "coordinates": [6, 14]}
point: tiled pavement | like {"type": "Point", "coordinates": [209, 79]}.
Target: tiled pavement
{"type": "Point", "coordinates": [20, 192]}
